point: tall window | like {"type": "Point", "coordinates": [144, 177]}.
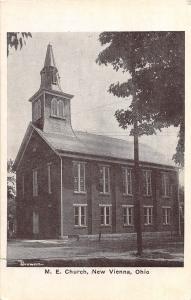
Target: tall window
{"type": "Point", "coordinates": [80, 215]}
{"type": "Point", "coordinates": [38, 109]}
{"type": "Point", "coordinates": [54, 111]}
{"type": "Point", "coordinates": [49, 178]}
{"type": "Point", "coordinates": [165, 185]}
{"type": "Point", "coordinates": [105, 212]}
{"type": "Point", "coordinates": [61, 108]}
{"type": "Point", "coordinates": [35, 183]}
{"type": "Point", "coordinates": [104, 179]}
{"type": "Point", "coordinates": [127, 215]}
{"type": "Point", "coordinates": [127, 181]}
{"type": "Point", "coordinates": [166, 215]}
{"type": "Point", "coordinates": [148, 215]}
{"type": "Point", "coordinates": [147, 187]}
{"type": "Point", "coordinates": [79, 176]}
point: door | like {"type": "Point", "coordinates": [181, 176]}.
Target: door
{"type": "Point", "coordinates": [35, 224]}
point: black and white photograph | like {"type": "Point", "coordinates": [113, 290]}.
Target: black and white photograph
{"type": "Point", "coordinates": [95, 151]}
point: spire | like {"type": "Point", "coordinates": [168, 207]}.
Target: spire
{"type": "Point", "coordinates": [50, 78]}
{"type": "Point", "coordinates": [49, 59]}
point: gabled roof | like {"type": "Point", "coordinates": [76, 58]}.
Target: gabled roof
{"type": "Point", "coordinates": [83, 143]}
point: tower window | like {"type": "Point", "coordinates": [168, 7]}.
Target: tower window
{"type": "Point", "coordinates": [54, 78]}
{"type": "Point", "coordinates": [37, 110]}
{"type": "Point", "coordinates": [54, 110]}
{"type": "Point", "coordinates": [61, 108]}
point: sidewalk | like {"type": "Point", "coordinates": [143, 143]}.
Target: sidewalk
{"type": "Point", "coordinates": [89, 252]}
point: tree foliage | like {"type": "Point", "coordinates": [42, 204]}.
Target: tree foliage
{"type": "Point", "coordinates": [11, 190]}
{"type": "Point", "coordinates": [155, 62]}
{"type": "Point", "coordinates": [16, 40]}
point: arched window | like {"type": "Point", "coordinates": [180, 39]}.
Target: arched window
{"type": "Point", "coordinates": [35, 111]}
{"type": "Point", "coordinates": [39, 109]}
{"type": "Point", "coordinates": [54, 107]}
{"type": "Point", "coordinates": [60, 108]}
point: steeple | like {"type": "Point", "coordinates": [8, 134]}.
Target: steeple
{"type": "Point", "coordinates": [50, 78]}
{"type": "Point", "coordinates": [50, 105]}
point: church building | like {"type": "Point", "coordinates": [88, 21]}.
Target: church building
{"type": "Point", "coordinates": [78, 183]}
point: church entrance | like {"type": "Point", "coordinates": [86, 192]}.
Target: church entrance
{"type": "Point", "coordinates": [35, 224]}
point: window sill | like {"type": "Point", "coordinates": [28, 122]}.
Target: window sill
{"type": "Point", "coordinates": [102, 225]}
{"type": "Point", "coordinates": [128, 225]}
{"type": "Point", "coordinates": [80, 226]}
{"type": "Point", "coordinates": [166, 224]}
{"type": "Point", "coordinates": [58, 117]}
{"type": "Point", "coordinates": [125, 195]}
{"type": "Point", "coordinates": [145, 195]}
{"type": "Point", "coordinates": [83, 193]}
{"type": "Point", "coordinates": [166, 197]}
{"type": "Point", "coordinates": [148, 224]}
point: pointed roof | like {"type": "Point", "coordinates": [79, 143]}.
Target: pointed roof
{"type": "Point", "coordinates": [49, 59]}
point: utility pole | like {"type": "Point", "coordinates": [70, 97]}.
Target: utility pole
{"type": "Point", "coordinates": [137, 190]}
{"type": "Point", "coordinates": [138, 215]}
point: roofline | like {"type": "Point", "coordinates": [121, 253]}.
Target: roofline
{"type": "Point", "coordinates": [114, 160]}
{"type": "Point", "coordinates": [20, 153]}
{"type": "Point", "coordinates": [26, 140]}
{"type": "Point", "coordinates": [51, 92]}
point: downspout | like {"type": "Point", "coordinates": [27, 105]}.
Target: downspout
{"type": "Point", "coordinates": [61, 200]}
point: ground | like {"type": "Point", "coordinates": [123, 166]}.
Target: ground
{"type": "Point", "coordinates": [109, 251]}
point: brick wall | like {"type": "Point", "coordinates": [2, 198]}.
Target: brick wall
{"type": "Point", "coordinates": [93, 198]}
{"type": "Point", "coordinates": [36, 156]}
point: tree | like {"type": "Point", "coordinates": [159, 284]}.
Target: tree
{"type": "Point", "coordinates": [16, 39]}
{"type": "Point", "coordinates": [155, 63]}
{"type": "Point", "coordinates": [11, 193]}
{"type": "Point", "coordinates": [156, 60]}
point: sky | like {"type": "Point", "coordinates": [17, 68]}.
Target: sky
{"type": "Point", "coordinates": [92, 107]}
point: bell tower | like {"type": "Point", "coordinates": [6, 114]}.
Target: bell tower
{"type": "Point", "coordinates": [51, 111]}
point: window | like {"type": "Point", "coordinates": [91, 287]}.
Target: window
{"type": "Point", "coordinates": [54, 78]}
{"type": "Point", "coordinates": [35, 183]}
{"type": "Point", "coordinates": [147, 188]}
{"type": "Point", "coordinates": [60, 108]}
{"type": "Point", "coordinates": [165, 185]}
{"type": "Point", "coordinates": [38, 109]}
{"type": "Point", "coordinates": [105, 212]}
{"type": "Point", "coordinates": [127, 181]}
{"type": "Point", "coordinates": [49, 178]}
{"type": "Point", "coordinates": [54, 107]}
{"type": "Point", "coordinates": [166, 213]}
{"type": "Point", "coordinates": [80, 214]}
{"type": "Point", "coordinates": [35, 111]}
{"type": "Point", "coordinates": [127, 215]}
{"type": "Point", "coordinates": [104, 179]}
{"type": "Point", "coordinates": [148, 215]}
{"type": "Point", "coordinates": [79, 177]}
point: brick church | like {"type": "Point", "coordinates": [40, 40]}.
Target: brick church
{"type": "Point", "coordinates": [75, 183]}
